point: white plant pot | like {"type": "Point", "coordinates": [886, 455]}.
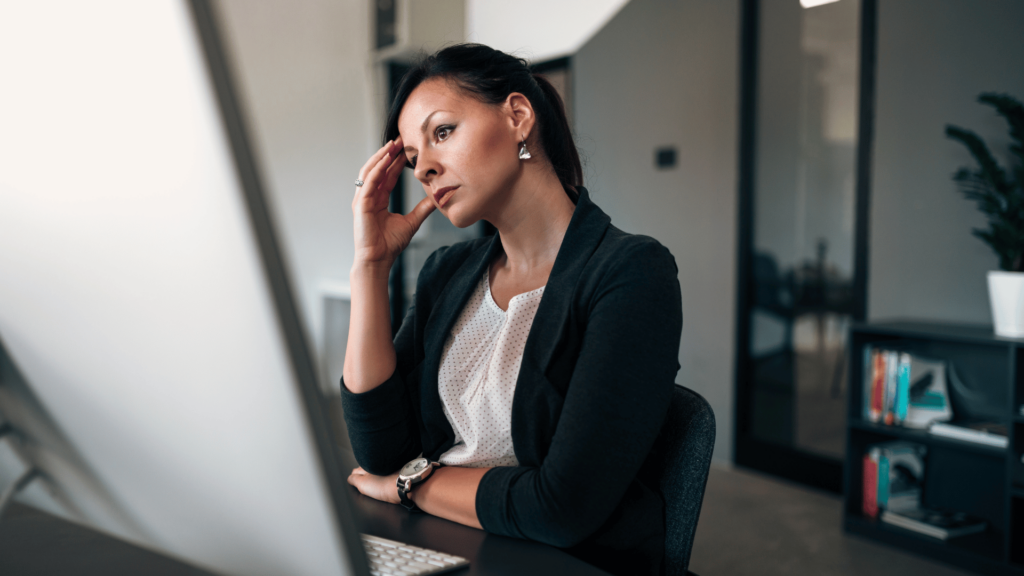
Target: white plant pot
{"type": "Point", "coordinates": [1006, 293]}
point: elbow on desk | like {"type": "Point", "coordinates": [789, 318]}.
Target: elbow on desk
{"type": "Point", "coordinates": [518, 503]}
{"type": "Point", "coordinates": [384, 462]}
{"type": "Point", "coordinates": [565, 529]}
{"type": "Point", "coordinates": [567, 537]}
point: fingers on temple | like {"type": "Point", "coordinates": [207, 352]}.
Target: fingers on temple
{"type": "Point", "coordinates": [376, 175]}
{"type": "Point", "coordinates": [370, 191]}
{"type": "Point", "coordinates": [394, 170]}
{"type": "Point", "coordinates": [365, 170]}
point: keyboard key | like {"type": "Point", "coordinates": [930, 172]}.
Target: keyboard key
{"type": "Point", "coordinates": [389, 558]}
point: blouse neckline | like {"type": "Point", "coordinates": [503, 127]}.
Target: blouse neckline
{"type": "Point", "coordinates": [516, 298]}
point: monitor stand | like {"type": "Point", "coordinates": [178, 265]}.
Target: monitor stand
{"type": "Point", "coordinates": [21, 481]}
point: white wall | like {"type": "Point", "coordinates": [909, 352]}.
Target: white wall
{"type": "Point", "coordinates": [666, 73]}
{"type": "Point", "coordinates": [933, 61]}
{"type": "Point", "coordinates": [306, 76]}
{"type": "Point", "coordinates": [537, 30]}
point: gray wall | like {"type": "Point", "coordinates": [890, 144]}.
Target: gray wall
{"type": "Point", "coordinates": [665, 73]}
{"type": "Point", "coordinates": [933, 61]}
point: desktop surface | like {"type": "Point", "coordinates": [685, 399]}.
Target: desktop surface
{"type": "Point", "coordinates": [33, 542]}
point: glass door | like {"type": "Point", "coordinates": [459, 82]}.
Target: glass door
{"type": "Point", "coordinates": [799, 243]}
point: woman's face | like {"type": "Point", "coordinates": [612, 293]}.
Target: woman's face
{"type": "Point", "coordinates": [463, 151]}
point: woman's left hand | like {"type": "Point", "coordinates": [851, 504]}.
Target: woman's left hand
{"type": "Point", "coordinates": [383, 488]}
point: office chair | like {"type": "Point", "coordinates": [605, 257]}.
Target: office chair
{"type": "Point", "coordinates": [680, 460]}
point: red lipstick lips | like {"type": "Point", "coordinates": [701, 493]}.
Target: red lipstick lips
{"type": "Point", "coordinates": [442, 195]}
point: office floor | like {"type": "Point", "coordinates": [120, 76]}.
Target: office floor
{"type": "Point", "coordinates": [756, 524]}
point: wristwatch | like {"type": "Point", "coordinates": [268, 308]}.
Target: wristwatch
{"type": "Point", "coordinates": [412, 474]}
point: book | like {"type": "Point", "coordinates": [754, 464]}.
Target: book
{"type": "Point", "coordinates": [901, 388]}
{"type": "Point", "coordinates": [941, 524]}
{"type": "Point", "coordinates": [900, 475]}
{"type": "Point", "coordinates": [869, 498]}
{"type": "Point", "coordinates": [981, 432]}
{"type": "Point", "coordinates": [876, 378]}
{"type": "Point", "coordinates": [891, 371]}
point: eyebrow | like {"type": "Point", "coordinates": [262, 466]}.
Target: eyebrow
{"type": "Point", "coordinates": [423, 127]}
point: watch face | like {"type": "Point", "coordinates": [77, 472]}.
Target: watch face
{"type": "Point", "coordinates": [414, 467]}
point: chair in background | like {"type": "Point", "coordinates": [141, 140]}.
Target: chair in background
{"type": "Point", "coordinates": [680, 460]}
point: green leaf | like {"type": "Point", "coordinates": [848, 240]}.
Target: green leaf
{"type": "Point", "coordinates": [998, 197]}
{"type": "Point", "coordinates": [1013, 111]}
{"type": "Point", "coordinates": [989, 167]}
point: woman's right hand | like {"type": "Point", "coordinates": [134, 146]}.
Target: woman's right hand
{"type": "Point", "coordinates": [380, 235]}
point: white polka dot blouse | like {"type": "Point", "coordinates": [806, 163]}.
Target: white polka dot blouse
{"type": "Point", "coordinates": [479, 368]}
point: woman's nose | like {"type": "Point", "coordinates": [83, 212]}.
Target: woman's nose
{"type": "Point", "coordinates": [427, 168]}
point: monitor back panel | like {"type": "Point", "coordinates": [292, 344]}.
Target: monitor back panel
{"type": "Point", "coordinates": [134, 307]}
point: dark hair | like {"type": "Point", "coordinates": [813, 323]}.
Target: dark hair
{"type": "Point", "coordinates": [491, 75]}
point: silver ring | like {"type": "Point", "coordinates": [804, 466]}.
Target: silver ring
{"type": "Point", "coordinates": [359, 183]}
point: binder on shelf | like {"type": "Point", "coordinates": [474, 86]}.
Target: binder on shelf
{"type": "Point", "coordinates": [869, 498]}
{"type": "Point", "coordinates": [874, 367]}
{"type": "Point", "coordinates": [978, 431]}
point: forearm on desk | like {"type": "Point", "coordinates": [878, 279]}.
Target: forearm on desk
{"type": "Point", "coordinates": [450, 493]}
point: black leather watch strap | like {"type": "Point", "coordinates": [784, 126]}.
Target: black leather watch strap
{"type": "Point", "coordinates": [404, 489]}
{"type": "Point", "coordinates": [406, 502]}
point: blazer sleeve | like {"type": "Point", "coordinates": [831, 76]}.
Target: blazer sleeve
{"type": "Point", "coordinates": [381, 423]}
{"type": "Point", "coordinates": [613, 410]}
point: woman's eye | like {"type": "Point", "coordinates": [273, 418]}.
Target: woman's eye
{"type": "Point", "coordinates": [443, 132]}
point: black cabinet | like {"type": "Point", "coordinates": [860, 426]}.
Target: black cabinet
{"type": "Point", "coordinates": [980, 480]}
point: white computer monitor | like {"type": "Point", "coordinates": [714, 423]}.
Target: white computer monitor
{"type": "Point", "coordinates": [154, 365]}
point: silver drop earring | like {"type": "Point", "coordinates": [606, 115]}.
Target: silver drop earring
{"type": "Point", "coordinates": [524, 154]}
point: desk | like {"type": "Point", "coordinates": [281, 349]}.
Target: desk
{"type": "Point", "coordinates": [32, 542]}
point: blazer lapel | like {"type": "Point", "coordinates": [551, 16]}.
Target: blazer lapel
{"type": "Point", "coordinates": [586, 229]}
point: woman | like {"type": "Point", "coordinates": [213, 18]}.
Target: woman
{"type": "Point", "coordinates": [535, 365]}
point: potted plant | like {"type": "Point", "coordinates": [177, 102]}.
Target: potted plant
{"type": "Point", "coordinates": [1000, 197]}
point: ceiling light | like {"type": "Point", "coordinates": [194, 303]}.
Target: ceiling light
{"type": "Point", "coordinates": [813, 3]}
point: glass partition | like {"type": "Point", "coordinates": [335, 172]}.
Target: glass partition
{"type": "Point", "coordinates": [801, 239]}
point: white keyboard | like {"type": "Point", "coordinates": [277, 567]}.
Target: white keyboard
{"type": "Point", "coordinates": [390, 557]}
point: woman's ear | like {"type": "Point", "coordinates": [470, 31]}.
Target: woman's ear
{"type": "Point", "coordinates": [520, 114]}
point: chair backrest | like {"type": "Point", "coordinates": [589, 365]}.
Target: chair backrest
{"type": "Point", "coordinates": [680, 461]}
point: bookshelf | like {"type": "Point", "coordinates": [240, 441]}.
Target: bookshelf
{"type": "Point", "coordinates": [983, 481]}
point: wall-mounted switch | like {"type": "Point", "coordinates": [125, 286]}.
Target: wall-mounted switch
{"type": "Point", "coordinates": [665, 157]}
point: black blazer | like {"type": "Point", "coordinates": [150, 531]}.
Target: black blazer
{"type": "Point", "coordinates": [594, 386]}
